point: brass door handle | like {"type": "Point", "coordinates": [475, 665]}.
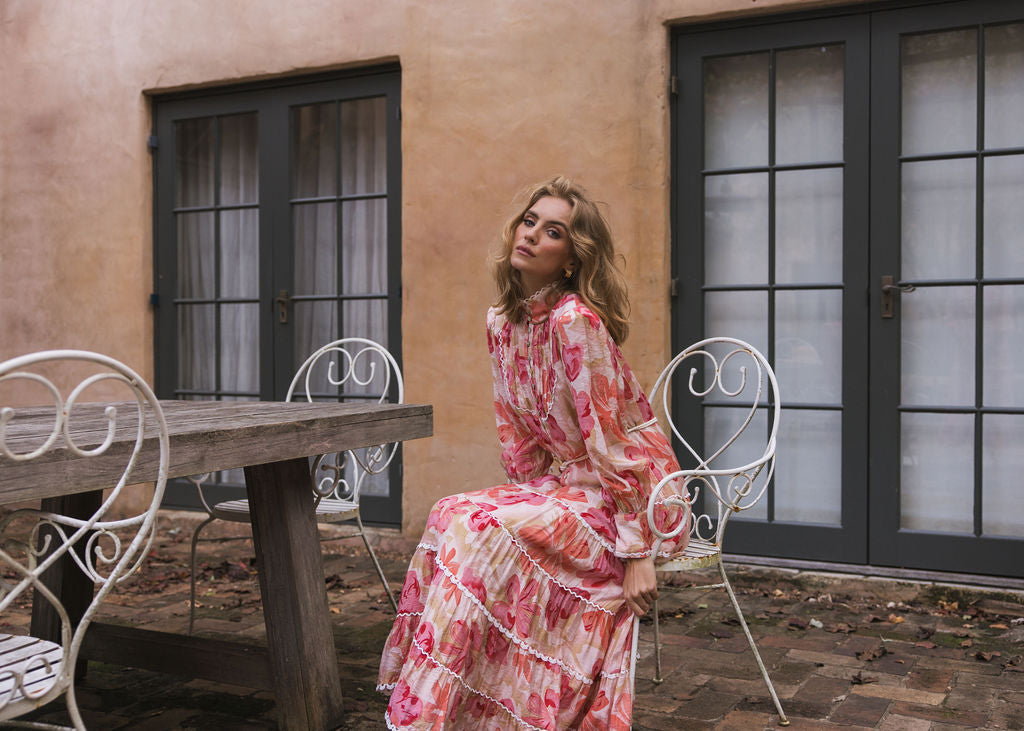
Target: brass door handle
{"type": "Point", "coordinates": [281, 302]}
{"type": "Point", "coordinates": [889, 289]}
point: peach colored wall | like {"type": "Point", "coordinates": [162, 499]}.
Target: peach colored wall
{"type": "Point", "coordinates": [494, 96]}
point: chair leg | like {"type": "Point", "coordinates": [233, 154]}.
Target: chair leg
{"type": "Point", "coordinates": [783, 721]}
{"type": "Point", "coordinates": [192, 574]}
{"type": "Point", "coordinates": [658, 680]}
{"type": "Point", "coordinates": [72, 704]}
{"type": "Point", "coordinates": [376, 564]}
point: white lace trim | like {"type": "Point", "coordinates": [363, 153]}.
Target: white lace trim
{"type": "Point", "coordinates": [470, 688]}
{"type": "Point", "coordinates": [408, 614]}
{"type": "Point", "coordinates": [426, 546]}
{"type": "Point", "coordinates": [540, 568]}
{"type": "Point", "coordinates": [385, 687]}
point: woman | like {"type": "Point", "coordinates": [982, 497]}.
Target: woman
{"type": "Point", "coordinates": [517, 611]}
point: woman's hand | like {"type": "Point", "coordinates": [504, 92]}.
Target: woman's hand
{"type": "Point", "coordinates": [640, 585]}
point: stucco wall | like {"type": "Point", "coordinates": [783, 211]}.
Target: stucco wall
{"type": "Point", "coordinates": [494, 96]}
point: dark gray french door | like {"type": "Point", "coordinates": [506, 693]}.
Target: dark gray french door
{"type": "Point", "coordinates": [847, 198]}
{"type": "Point", "coordinates": [947, 400]}
{"type": "Point", "coordinates": [277, 230]}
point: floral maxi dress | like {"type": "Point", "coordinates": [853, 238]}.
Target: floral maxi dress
{"type": "Point", "coordinates": [512, 614]}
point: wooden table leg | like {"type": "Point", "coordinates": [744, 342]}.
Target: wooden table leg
{"type": "Point", "coordinates": [299, 638]}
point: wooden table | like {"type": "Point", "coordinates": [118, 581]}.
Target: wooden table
{"type": "Point", "coordinates": [272, 441]}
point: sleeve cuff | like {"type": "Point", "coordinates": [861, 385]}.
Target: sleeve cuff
{"type": "Point", "coordinates": [631, 540]}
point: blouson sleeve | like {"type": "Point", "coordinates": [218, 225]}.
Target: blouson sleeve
{"type": "Point", "coordinates": [608, 401]}
{"type": "Point", "coordinates": [522, 457]}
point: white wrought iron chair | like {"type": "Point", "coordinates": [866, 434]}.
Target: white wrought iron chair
{"type": "Point", "coordinates": [35, 671]}
{"type": "Point", "coordinates": [729, 367]}
{"type": "Point", "coordinates": [336, 479]}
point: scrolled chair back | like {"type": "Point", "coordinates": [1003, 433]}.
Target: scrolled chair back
{"type": "Point", "coordinates": [732, 467]}
{"type": "Point", "coordinates": [119, 437]}
{"type": "Point", "coordinates": [365, 369]}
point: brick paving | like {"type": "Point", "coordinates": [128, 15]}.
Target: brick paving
{"type": "Point", "coordinates": [844, 651]}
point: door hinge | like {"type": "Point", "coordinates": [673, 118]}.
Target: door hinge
{"type": "Point", "coordinates": [673, 287]}
{"type": "Point", "coordinates": [153, 142]}
{"type": "Point", "coordinates": [154, 299]}
{"type": "Point", "coordinates": [673, 85]}
{"type": "Point", "coordinates": [398, 112]}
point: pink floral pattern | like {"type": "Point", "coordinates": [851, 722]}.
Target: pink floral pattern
{"type": "Point", "coordinates": [512, 614]}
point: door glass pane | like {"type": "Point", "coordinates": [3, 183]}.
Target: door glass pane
{"type": "Point", "coordinates": [1004, 86]}
{"type": "Point", "coordinates": [939, 85]}
{"type": "Point", "coordinates": [239, 348]}
{"type": "Point", "coordinates": [239, 168]}
{"type": "Point", "coordinates": [239, 253]}
{"type": "Point", "coordinates": [194, 176]}
{"type": "Point", "coordinates": [741, 315]}
{"type": "Point", "coordinates": [316, 324]}
{"type": "Point", "coordinates": [364, 246]}
{"type": "Point", "coordinates": [316, 248]}
{"type": "Point", "coordinates": [809, 104]}
{"type": "Point", "coordinates": [195, 255]}
{"type": "Point", "coordinates": [809, 226]}
{"type": "Point", "coordinates": [937, 346]}
{"type": "Point", "coordinates": [1004, 215]}
{"type": "Point", "coordinates": [315, 150]}
{"type": "Point", "coordinates": [1002, 460]}
{"type": "Point", "coordinates": [809, 346]}
{"type": "Point", "coordinates": [736, 229]}
{"type": "Point", "coordinates": [736, 111]}
{"type": "Point", "coordinates": [1004, 346]}
{"type": "Point", "coordinates": [938, 219]}
{"type": "Point", "coordinates": [808, 469]}
{"type": "Point", "coordinates": [196, 365]}
{"type": "Point", "coordinates": [364, 146]}
{"type": "Point", "coordinates": [366, 319]}
{"type": "Point", "coordinates": [720, 425]}
{"type": "Point", "coordinates": [937, 472]}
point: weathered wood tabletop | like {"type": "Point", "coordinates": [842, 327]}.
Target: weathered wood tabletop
{"type": "Point", "coordinates": [272, 441]}
{"type": "Point", "coordinates": [204, 436]}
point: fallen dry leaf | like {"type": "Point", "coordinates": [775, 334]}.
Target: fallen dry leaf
{"type": "Point", "coordinates": [859, 679]}
{"type": "Point", "coordinates": [840, 627]}
{"type": "Point", "coordinates": [986, 656]}
{"type": "Point", "coordinates": [998, 625]}
{"type": "Point", "coordinates": [923, 633]}
{"type": "Point", "coordinates": [926, 645]}
{"type": "Point", "coordinates": [869, 655]}
{"type": "Point", "coordinates": [797, 623]}
{"type": "Point", "coordinates": [896, 619]}
{"type": "Point", "coordinates": [966, 643]}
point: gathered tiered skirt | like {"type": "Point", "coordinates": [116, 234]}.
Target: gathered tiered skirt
{"type": "Point", "coordinates": [512, 616]}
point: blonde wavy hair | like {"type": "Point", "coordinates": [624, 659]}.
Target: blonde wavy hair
{"type": "Point", "coordinates": [597, 278]}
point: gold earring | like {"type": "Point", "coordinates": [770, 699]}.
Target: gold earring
{"type": "Point", "coordinates": [568, 272]}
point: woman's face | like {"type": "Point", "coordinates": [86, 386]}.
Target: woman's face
{"type": "Point", "coordinates": [541, 251]}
